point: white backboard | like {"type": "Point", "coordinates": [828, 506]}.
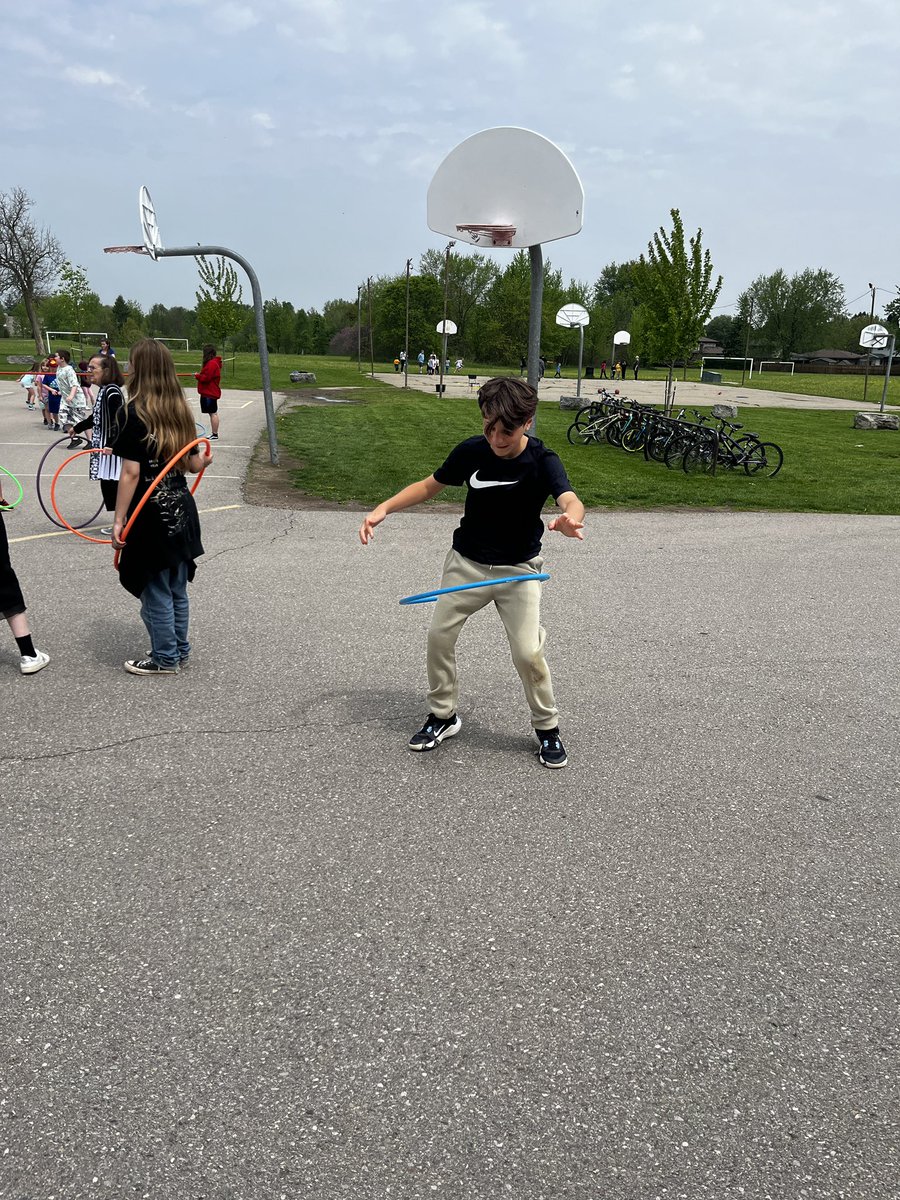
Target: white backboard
{"type": "Point", "coordinates": [622, 338]}
{"type": "Point", "coordinates": [446, 327]}
{"type": "Point", "coordinates": [510, 177]}
{"type": "Point", "coordinates": [149, 227]}
{"type": "Point", "coordinates": [573, 316]}
{"type": "Point", "coordinates": [874, 337]}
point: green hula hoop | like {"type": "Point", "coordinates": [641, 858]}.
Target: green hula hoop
{"type": "Point", "coordinates": [6, 506]}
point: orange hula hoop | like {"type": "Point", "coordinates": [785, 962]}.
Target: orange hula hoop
{"type": "Point", "coordinates": [62, 519]}
{"type": "Point", "coordinates": [146, 496]}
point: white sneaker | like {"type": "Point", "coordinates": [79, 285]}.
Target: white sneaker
{"type": "Point", "coordinates": [31, 666]}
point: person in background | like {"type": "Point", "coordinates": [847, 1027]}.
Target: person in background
{"type": "Point", "coordinates": [51, 393]}
{"type": "Point", "coordinates": [208, 386]}
{"type": "Point", "coordinates": [28, 383]}
{"type": "Point", "coordinates": [75, 406]}
{"type": "Point", "coordinates": [85, 380]}
{"type": "Point", "coordinates": [603, 374]}
{"type": "Point", "coordinates": [106, 348]}
{"type": "Point", "coordinates": [558, 374]}
{"type": "Point", "coordinates": [421, 361]}
{"type": "Point", "coordinates": [637, 364]}
{"type": "Point", "coordinates": [105, 422]}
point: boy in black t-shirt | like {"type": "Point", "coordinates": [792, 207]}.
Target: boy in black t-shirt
{"type": "Point", "coordinates": [509, 476]}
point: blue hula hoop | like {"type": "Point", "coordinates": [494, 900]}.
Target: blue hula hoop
{"type": "Point", "coordinates": [427, 597]}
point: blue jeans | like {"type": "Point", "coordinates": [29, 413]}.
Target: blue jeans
{"type": "Point", "coordinates": [165, 612]}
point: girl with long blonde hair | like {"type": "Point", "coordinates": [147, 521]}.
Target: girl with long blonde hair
{"type": "Point", "coordinates": [159, 559]}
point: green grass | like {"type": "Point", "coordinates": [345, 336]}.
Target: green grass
{"type": "Point", "coordinates": [364, 453]}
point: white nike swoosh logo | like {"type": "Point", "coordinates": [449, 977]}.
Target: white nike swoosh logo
{"type": "Point", "coordinates": [475, 482]}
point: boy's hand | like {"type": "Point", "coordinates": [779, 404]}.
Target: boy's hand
{"type": "Point", "coordinates": [372, 519]}
{"type": "Point", "coordinates": [568, 526]}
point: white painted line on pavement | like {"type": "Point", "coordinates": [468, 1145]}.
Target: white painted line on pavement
{"type": "Point", "coordinates": [36, 537]}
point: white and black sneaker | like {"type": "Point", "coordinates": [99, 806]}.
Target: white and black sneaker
{"type": "Point", "coordinates": [30, 664]}
{"type": "Point", "coordinates": [551, 751]}
{"type": "Point", "coordinates": [146, 666]}
{"type": "Point", "coordinates": [434, 731]}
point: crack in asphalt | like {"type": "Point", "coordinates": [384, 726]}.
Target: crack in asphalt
{"type": "Point", "coordinates": [100, 747]}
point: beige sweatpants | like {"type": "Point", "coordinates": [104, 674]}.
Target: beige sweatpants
{"type": "Point", "coordinates": [519, 606]}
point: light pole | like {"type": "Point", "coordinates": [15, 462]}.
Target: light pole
{"type": "Point", "coordinates": [406, 343]}
{"type": "Point", "coordinates": [450, 246]}
{"type": "Point", "coordinates": [868, 357]}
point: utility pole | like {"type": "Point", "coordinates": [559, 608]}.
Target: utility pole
{"type": "Point", "coordinates": [406, 343]}
{"type": "Point", "coordinates": [371, 332]}
{"type": "Point", "coordinates": [359, 327]}
{"type": "Point", "coordinates": [450, 246]}
{"type": "Point", "coordinates": [869, 355]}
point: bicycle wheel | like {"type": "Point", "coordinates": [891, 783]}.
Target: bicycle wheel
{"type": "Point", "coordinates": [633, 438]}
{"type": "Point", "coordinates": [656, 446]}
{"type": "Point", "coordinates": [676, 451]}
{"type": "Point", "coordinates": [698, 460]}
{"type": "Point", "coordinates": [764, 459]}
{"type": "Point", "coordinates": [582, 435]}
{"type": "Point", "coordinates": [614, 431]}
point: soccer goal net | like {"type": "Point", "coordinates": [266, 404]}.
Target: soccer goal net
{"type": "Point", "coordinates": [181, 343]}
{"type": "Point", "coordinates": [72, 335]}
{"type": "Point", "coordinates": [774, 364]}
{"type": "Point", "coordinates": [720, 362]}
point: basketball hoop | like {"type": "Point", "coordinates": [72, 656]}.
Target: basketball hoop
{"type": "Point", "coordinates": [496, 235]}
{"type": "Point", "coordinates": [125, 250]}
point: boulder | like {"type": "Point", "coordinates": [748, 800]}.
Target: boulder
{"type": "Point", "coordinates": [573, 402]}
{"type": "Point", "coordinates": [727, 412]}
{"type": "Point", "coordinates": [303, 377]}
{"type": "Point", "coordinates": [874, 420]}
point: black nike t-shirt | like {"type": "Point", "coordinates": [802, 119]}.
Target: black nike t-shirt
{"type": "Point", "coordinates": [502, 519]}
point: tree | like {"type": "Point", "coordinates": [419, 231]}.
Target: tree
{"type": "Point", "coordinates": [792, 314]}
{"type": "Point", "coordinates": [892, 310]}
{"type": "Point", "coordinates": [120, 312]}
{"type": "Point", "coordinates": [468, 280]}
{"type": "Point", "coordinates": [76, 291]}
{"type": "Point", "coordinates": [677, 293]}
{"type": "Point", "coordinates": [30, 258]}
{"type": "Point", "coordinates": [730, 333]}
{"type": "Point", "coordinates": [219, 307]}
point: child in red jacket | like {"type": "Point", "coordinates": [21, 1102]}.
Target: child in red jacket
{"type": "Point", "coordinates": [208, 387]}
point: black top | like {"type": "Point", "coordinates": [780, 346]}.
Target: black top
{"type": "Point", "coordinates": [167, 532]}
{"type": "Point", "coordinates": [502, 519]}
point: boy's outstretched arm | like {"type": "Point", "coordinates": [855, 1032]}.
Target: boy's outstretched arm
{"type": "Point", "coordinates": [571, 520]}
{"type": "Point", "coordinates": [415, 493]}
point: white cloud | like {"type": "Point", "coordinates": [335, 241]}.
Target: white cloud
{"type": "Point", "coordinates": [236, 18]}
{"type": "Point", "coordinates": [94, 77]}
{"type": "Point", "coordinates": [263, 120]}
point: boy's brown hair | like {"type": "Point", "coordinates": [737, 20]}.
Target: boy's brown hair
{"type": "Point", "coordinates": [507, 401]}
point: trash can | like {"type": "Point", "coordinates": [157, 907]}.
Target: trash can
{"type": "Point", "coordinates": [710, 377]}
{"type": "Point", "coordinates": [589, 372]}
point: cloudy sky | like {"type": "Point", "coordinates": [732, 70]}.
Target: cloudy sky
{"type": "Point", "coordinates": [304, 133]}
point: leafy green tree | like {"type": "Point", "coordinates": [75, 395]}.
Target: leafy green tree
{"type": "Point", "coordinates": [892, 310]}
{"type": "Point", "coordinates": [78, 297]}
{"type": "Point", "coordinates": [426, 309]}
{"type": "Point", "coordinates": [730, 332]}
{"type": "Point", "coordinates": [792, 313]}
{"type": "Point", "coordinates": [281, 326]}
{"type": "Point", "coordinates": [677, 294]}
{"type": "Point", "coordinates": [219, 307]}
{"type": "Point", "coordinates": [121, 313]}
{"type": "Point", "coordinates": [469, 280]}
{"type": "Point", "coordinates": [30, 258]}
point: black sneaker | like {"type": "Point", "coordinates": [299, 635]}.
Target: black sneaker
{"type": "Point", "coordinates": [146, 666]}
{"type": "Point", "coordinates": [551, 752]}
{"type": "Point", "coordinates": [434, 731]}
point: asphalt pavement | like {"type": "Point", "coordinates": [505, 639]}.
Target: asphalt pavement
{"type": "Point", "coordinates": [253, 948]}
